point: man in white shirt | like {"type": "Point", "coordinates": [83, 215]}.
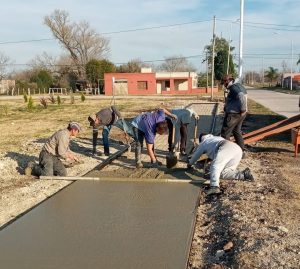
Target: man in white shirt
{"type": "Point", "coordinates": [225, 156]}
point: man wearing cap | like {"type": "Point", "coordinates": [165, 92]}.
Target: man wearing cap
{"type": "Point", "coordinates": [107, 117]}
{"type": "Point", "coordinates": [235, 110]}
{"type": "Point", "coordinates": [184, 118]}
{"type": "Point", "coordinates": [225, 156]}
{"type": "Point", "coordinates": [53, 152]}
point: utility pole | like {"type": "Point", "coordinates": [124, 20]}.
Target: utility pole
{"type": "Point", "coordinates": [292, 52]}
{"type": "Point", "coordinates": [206, 60]}
{"type": "Point", "coordinates": [263, 72]}
{"type": "Point", "coordinates": [213, 60]}
{"type": "Point", "coordinates": [228, 55]}
{"type": "Point", "coordinates": [241, 40]}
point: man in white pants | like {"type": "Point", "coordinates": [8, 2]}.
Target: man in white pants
{"type": "Point", "coordinates": [225, 156]}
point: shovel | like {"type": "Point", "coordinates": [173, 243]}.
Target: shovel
{"type": "Point", "coordinates": [172, 157]}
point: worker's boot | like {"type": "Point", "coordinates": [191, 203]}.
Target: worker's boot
{"type": "Point", "coordinates": [28, 169]}
{"type": "Point", "coordinates": [106, 151]}
{"type": "Point", "coordinates": [213, 190]}
{"type": "Point", "coordinates": [248, 175]}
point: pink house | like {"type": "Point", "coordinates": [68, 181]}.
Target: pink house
{"type": "Point", "coordinates": [147, 83]}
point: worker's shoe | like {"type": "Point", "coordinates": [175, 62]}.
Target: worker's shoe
{"type": "Point", "coordinates": [248, 175]}
{"type": "Point", "coordinates": [139, 165]}
{"type": "Point", "coordinates": [213, 190]}
{"type": "Point", "coordinates": [106, 152]}
{"type": "Point", "coordinates": [28, 169]}
{"type": "Point", "coordinates": [183, 153]}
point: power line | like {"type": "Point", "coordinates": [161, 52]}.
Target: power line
{"type": "Point", "coordinates": [109, 33]}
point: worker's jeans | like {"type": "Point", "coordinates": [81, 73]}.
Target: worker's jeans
{"type": "Point", "coordinates": [228, 157]}
{"type": "Point", "coordinates": [139, 137]}
{"type": "Point", "coordinates": [232, 125]}
{"type": "Point", "coordinates": [183, 135]}
{"type": "Point", "coordinates": [49, 165]}
{"type": "Point", "coordinates": [121, 124]}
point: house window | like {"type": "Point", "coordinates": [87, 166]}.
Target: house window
{"type": "Point", "coordinates": [142, 85]}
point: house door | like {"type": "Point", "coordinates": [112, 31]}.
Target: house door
{"type": "Point", "coordinates": [120, 87]}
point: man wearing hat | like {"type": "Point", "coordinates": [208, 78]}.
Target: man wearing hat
{"type": "Point", "coordinates": [53, 152]}
{"type": "Point", "coordinates": [107, 117]}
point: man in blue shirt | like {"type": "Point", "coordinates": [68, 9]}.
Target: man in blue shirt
{"type": "Point", "coordinates": [145, 126]}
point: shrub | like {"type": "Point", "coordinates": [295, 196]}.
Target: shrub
{"type": "Point", "coordinates": [58, 100]}
{"type": "Point", "coordinates": [52, 99]}
{"type": "Point", "coordinates": [72, 99]}
{"type": "Point", "coordinates": [43, 102]}
{"type": "Point", "coordinates": [25, 96]}
{"type": "Point", "coordinates": [82, 97]}
{"type": "Point", "coordinates": [30, 104]}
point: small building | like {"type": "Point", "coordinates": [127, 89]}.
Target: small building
{"type": "Point", "coordinates": [6, 84]}
{"type": "Point", "coordinates": [286, 80]}
{"type": "Point", "coordinates": [149, 83]}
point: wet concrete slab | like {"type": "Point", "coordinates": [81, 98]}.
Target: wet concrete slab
{"type": "Point", "coordinates": [105, 225]}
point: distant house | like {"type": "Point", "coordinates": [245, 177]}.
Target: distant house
{"type": "Point", "coordinates": [286, 80]}
{"type": "Point", "coordinates": [6, 84]}
{"type": "Point", "coordinates": [148, 83]}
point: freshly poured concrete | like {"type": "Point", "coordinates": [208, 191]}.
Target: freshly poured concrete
{"type": "Point", "coordinates": [105, 225]}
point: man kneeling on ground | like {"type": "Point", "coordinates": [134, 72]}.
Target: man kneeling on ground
{"type": "Point", "coordinates": [54, 150]}
{"type": "Point", "coordinates": [225, 156]}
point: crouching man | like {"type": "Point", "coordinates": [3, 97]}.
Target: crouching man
{"type": "Point", "coordinates": [225, 156]}
{"type": "Point", "coordinates": [53, 152]}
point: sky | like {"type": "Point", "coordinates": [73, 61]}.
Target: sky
{"type": "Point", "coordinates": [271, 29]}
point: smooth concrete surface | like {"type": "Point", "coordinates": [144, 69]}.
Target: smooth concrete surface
{"type": "Point", "coordinates": [283, 104]}
{"type": "Point", "coordinates": [126, 225]}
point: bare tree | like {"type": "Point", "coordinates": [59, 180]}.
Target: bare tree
{"type": "Point", "coordinates": [177, 64]}
{"type": "Point", "coordinates": [79, 39]}
{"type": "Point", "coordinates": [4, 60]}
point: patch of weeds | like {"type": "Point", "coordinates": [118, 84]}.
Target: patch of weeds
{"type": "Point", "coordinates": [4, 110]}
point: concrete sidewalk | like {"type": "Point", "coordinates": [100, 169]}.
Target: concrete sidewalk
{"type": "Point", "coordinates": [283, 104]}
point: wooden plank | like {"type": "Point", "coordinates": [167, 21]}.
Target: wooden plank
{"type": "Point", "coordinates": [124, 179]}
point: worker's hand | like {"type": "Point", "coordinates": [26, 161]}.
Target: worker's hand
{"type": "Point", "coordinates": [174, 117]}
{"type": "Point", "coordinates": [189, 167]}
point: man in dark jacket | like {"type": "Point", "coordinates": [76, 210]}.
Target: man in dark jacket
{"type": "Point", "coordinates": [106, 117]}
{"type": "Point", "coordinates": [235, 110]}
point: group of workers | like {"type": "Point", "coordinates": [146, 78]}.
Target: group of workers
{"type": "Point", "coordinates": [225, 155]}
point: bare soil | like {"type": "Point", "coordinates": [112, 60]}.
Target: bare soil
{"type": "Point", "coordinates": [250, 225]}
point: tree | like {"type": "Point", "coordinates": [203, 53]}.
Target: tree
{"type": "Point", "coordinates": [133, 66]}
{"type": "Point", "coordinates": [221, 58]}
{"type": "Point", "coordinates": [176, 64]}
{"type": "Point", "coordinates": [272, 74]}
{"type": "Point", "coordinates": [82, 42]}
{"type": "Point", "coordinates": [95, 70]}
{"type": "Point", "coordinates": [42, 78]}
{"type": "Point", "coordinates": [4, 60]}
{"type": "Point", "coordinates": [59, 67]}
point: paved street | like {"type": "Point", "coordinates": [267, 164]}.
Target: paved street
{"type": "Point", "coordinates": [281, 103]}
